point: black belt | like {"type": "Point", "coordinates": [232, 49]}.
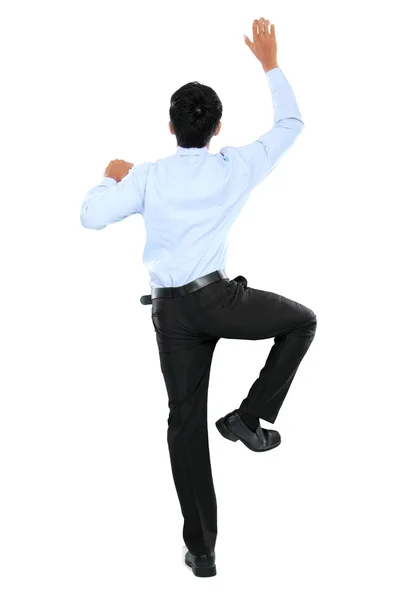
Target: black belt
{"type": "Point", "coordinates": [184, 290]}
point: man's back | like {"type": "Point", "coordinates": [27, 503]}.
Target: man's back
{"type": "Point", "coordinates": [190, 200]}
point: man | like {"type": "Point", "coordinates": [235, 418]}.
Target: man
{"type": "Point", "coordinates": [189, 202]}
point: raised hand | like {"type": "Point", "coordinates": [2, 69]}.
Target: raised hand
{"type": "Point", "coordinates": [263, 45]}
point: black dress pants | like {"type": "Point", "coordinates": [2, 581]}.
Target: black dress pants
{"type": "Point", "coordinates": [187, 331]}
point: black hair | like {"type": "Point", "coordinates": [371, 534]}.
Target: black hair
{"type": "Point", "coordinates": [195, 113]}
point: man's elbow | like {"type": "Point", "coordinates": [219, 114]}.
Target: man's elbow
{"type": "Point", "coordinates": [88, 222]}
{"type": "Point", "coordinates": [300, 125]}
{"type": "Point", "coordinates": [88, 216]}
{"type": "Point", "coordinates": [292, 129]}
{"type": "Point", "coordinates": [294, 124]}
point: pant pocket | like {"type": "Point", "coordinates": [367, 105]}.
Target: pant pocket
{"type": "Point", "coordinates": [210, 296]}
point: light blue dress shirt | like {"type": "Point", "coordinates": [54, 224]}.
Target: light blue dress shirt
{"type": "Point", "coordinates": [190, 200]}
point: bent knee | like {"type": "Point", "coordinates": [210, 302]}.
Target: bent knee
{"type": "Point", "coordinates": [312, 316]}
{"type": "Point", "coordinates": [311, 322]}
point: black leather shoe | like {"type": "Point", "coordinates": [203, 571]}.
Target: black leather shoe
{"type": "Point", "coordinates": [203, 565]}
{"type": "Point", "coordinates": [233, 428]}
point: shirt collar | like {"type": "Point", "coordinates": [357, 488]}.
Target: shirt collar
{"type": "Point", "coordinates": [191, 151]}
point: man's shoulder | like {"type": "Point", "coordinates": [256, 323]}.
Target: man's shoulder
{"type": "Point", "coordinates": [151, 164]}
{"type": "Point", "coordinates": [231, 152]}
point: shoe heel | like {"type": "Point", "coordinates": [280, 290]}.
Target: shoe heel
{"type": "Point", "coordinates": [204, 571]}
{"type": "Point", "coordinates": [225, 432]}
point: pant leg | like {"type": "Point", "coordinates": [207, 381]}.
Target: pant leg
{"type": "Point", "coordinates": [242, 312]}
{"type": "Point", "coordinates": [185, 359]}
{"type": "Point", "coordinates": [268, 392]}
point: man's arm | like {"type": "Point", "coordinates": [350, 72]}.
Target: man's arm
{"type": "Point", "coordinates": [110, 202]}
{"type": "Point", "coordinates": [261, 156]}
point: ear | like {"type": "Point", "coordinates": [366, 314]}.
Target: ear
{"type": "Point", "coordinates": [218, 129]}
{"type": "Point", "coordinates": [170, 128]}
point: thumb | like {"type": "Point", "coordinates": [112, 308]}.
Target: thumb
{"type": "Point", "coordinates": [248, 42]}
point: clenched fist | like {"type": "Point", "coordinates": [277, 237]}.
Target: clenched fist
{"type": "Point", "coordinates": [118, 169]}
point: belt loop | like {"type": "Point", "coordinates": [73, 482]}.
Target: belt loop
{"type": "Point", "coordinates": [241, 279]}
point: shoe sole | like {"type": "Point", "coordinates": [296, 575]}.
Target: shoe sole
{"type": "Point", "coordinates": [229, 435]}
{"type": "Point", "coordinates": [202, 571]}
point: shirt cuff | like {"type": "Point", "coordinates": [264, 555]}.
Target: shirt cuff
{"type": "Point", "coordinates": [275, 76]}
{"type": "Point", "coordinates": [108, 181]}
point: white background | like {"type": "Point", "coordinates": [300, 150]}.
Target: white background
{"type": "Point", "coordinates": [88, 508]}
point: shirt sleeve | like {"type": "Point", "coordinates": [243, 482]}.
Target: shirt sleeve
{"type": "Point", "coordinates": [110, 202]}
{"type": "Point", "coordinates": [260, 157]}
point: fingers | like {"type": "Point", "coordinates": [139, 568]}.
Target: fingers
{"type": "Point", "coordinates": [121, 161]}
{"type": "Point", "coordinates": [273, 31]}
{"type": "Point", "coordinates": [263, 26]}
{"type": "Point", "coordinates": [255, 30]}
